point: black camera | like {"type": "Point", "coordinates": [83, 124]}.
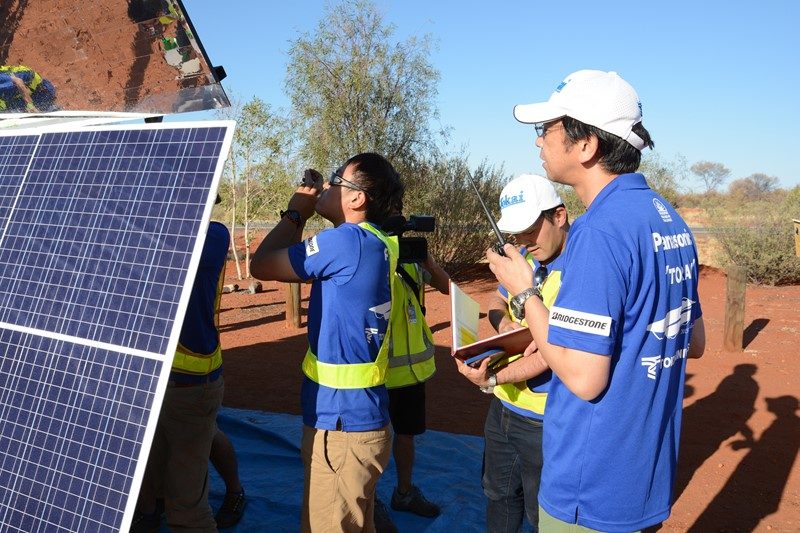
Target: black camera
{"type": "Point", "coordinates": [412, 249]}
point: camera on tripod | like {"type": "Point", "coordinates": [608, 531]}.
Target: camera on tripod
{"type": "Point", "coordinates": [412, 249]}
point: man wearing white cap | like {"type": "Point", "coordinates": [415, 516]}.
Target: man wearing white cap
{"type": "Point", "coordinates": [619, 331]}
{"type": "Point", "coordinates": [532, 211]}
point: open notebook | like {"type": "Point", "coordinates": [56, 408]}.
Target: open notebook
{"type": "Point", "coordinates": [464, 318]}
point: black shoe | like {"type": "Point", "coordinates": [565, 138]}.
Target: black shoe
{"type": "Point", "coordinates": [231, 510]}
{"type": "Point", "coordinates": [383, 520]}
{"type": "Point", "coordinates": [414, 502]}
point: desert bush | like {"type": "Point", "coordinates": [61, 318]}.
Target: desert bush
{"type": "Point", "coordinates": [440, 187]}
{"type": "Point", "coordinates": [759, 236]}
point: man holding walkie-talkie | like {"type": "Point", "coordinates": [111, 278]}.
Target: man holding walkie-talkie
{"type": "Point", "coordinates": [533, 213]}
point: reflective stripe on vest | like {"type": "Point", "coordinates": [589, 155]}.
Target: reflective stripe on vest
{"type": "Point", "coordinates": [411, 350]}
{"type": "Point", "coordinates": [189, 362]}
{"type": "Point", "coordinates": [518, 394]}
{"type": "Point", "coordinates": [36, 78]}
{"type": "Point", "coordinates": [359, 375]}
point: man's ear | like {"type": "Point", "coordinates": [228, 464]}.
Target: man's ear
{"type": "Point", "coordinates": [560, 217]}
{"type": "Point", "coordinates": [588, 149]}
{"type": "Point", "coordinates": [358, 200]}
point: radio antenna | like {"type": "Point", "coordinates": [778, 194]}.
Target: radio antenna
{"type": "Point", "coordinates": [498, 246]}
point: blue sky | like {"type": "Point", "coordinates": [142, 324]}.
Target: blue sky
{"type": "Point", "coordinates": [718, 80]}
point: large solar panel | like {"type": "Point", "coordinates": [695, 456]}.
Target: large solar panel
{"type": "Point", "coordinates": [100, 235]}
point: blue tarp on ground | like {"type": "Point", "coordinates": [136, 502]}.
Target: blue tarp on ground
{"type": "Point", "coordinates": [447, 469]}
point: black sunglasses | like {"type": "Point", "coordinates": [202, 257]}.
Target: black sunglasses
{"type": "Point", "coordinates": [539, 275]}
{"type": "Point", "coordinates": [337, 179]}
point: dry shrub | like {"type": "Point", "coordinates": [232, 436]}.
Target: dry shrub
{"type": "Point", "coordinates": [441, 188]}
{"type": "Point", "coordinates": [759, 236]}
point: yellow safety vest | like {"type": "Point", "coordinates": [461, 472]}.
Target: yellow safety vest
{"type": "Point", "coordinates": [518, 394]}
{"type": "Point", "coordinates": [189, 362]}
{"type": "Point", "coordinates": [411, 350]}
{"type": "Point", "coordinates": [32, 85]}
{"type": "Point", "coordinates": [359, 375]}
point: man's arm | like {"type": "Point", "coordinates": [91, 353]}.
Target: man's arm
{"type": "Point", "coordinates": [697, 343]}
{"type": "Point", "coordinates": [498, 314]}
{"type": "Point", "coordinates": [271, 259]}
{"type": "Point", "coordinates": [585, 374]}
{"type": "Point", "coordinates": [440, 280]}
{"type": "Point", "coordinates": [522, 369]}
{"type": "Point", "coordinates": [25, 93]}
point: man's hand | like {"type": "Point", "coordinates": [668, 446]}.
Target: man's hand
{"type": "Point", "coordinates": [509, 325]}
{"type": "Point", "coordinates": [304, 199]}
{"type": "Point", "coordinates": [478, 375]}
{"type": "Point", "coordinates": [512, 271]}
{"type": "Point", "coordinates": [531, 349]}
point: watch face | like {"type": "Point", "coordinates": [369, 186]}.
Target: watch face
{"type": "Point", "coordinates": [517, 306]}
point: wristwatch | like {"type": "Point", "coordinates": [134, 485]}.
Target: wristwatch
{"type": "Point", "coordinates": [293, 215]}
{"type": "Point", "coordinates": [517, 303]}
{"type": "Point", "coordinates": [489, 388]}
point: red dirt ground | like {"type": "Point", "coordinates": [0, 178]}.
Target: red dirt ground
{"type": "Point", "coordinates": [741, 430]}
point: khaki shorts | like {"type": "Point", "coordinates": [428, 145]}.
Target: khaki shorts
{"type": "Point", "coordinates": [342, 469]}
{"type": "Point", "coordinates": [177, 468]}
{"type": "Point", "coordinates": [551, 524]}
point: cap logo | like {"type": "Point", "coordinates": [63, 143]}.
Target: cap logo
{"type": "Point", "coordinates": [507, 200]}
{"type": "Point", "coordinates": [560, 86]}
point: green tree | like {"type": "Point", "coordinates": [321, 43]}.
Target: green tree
{"type": "Point", "coordinates": [354, 89]}
{"type": "Point", "coordinates": [711, 174]}
{"type": "Point", "coordinates": [260, 142]}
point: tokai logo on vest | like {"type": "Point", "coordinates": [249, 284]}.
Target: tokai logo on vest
{"type": "Point", "coordinates": [669, 242]}
{"type": "Point", "coordinates": [674, 322]}
{"type": "Point", "coordinates": [655, 362]}
{"type": "Point", "coordinates": [507, 200]}
{"type": "Point", "coordinates": [311, 245]}
{"type": "Point", "coordinates": [662, 210]}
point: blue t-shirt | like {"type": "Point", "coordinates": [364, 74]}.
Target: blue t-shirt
{"type": "Point", "coordinates": [199, 332]}
{"type": "Point", "coordinates": [629, 292]}
{"type": "Point", "coordinates": [347, 319]}
{"type": "Point", "coordinates": [540, 383]}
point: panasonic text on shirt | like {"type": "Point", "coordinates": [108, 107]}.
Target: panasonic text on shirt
{"type": "Point", "coordinates": [668, 242]}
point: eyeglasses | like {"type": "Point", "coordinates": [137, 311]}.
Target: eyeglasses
{"type": "Point", "coordinates": [337, 179]}
{"type": "Point", "coordinates": [543, 129]}
{"type": "Point", "coordinates": [539, 275]}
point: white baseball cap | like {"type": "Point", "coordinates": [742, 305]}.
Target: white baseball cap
{"type": "Point", "coordinates": [522, 201]}
{"type": "Point", "coordinates": [600, 99]}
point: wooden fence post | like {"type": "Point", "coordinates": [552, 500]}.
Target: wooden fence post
{"type": "Point", "coordinates": [734, 309]}
{"type": "Point", "coordinates": [292, 305]}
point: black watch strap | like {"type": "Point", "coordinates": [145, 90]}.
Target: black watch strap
{"type": "Point", "coordinates": [293, 215]}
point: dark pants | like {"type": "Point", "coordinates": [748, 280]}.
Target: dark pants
{"type": "Point", "coordinates": [512, 465]}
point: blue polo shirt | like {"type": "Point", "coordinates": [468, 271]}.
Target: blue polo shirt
{"type": "Point", "coordinates": [199, 332]}
{"type": "Point", "coordinates": [629, 292]}
{"type": "Point", "coordinates": [348, 316]}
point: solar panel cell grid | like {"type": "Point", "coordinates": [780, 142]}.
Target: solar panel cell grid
{"type": "Point", "coordinates": [97, 232]}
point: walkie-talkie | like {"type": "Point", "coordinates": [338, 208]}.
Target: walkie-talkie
{"type": "Point", "coordinates": [498, 246]}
